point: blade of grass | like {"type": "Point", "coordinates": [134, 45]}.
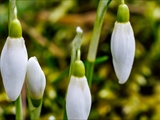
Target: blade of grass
{"type": "Point", "coordinates": [102, 7]}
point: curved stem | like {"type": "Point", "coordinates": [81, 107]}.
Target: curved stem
{"type": "Point", "coordinates": [11, 13]}
{"type": "Point", "coordinates": [76, 44]}
{"type": "Point", "coordinates": [102, 7]}
{"type": "Point", "coordinates": [78, 54]}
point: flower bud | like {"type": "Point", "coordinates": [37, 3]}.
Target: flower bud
{"type": "Point", "coordinates": [123, 50]}
{"type": "Point", "coordinates": [78, 101]}
{"type": "Point", "coordinates": [13, 66]}
{"type": "Point", "coordinates": [35, 79]}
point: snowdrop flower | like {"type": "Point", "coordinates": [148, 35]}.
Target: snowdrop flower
{"type": "Point", "coordinates": [78, 101]}
{"type": "Point", "coordinates": [35, 79]}
{"type": "Point", "coordinates": [123, 44]}
{"type": "Point", "coordinates": [14, 61]}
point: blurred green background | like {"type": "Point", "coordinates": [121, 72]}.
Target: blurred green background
{"type": "Point", "coordinates": [49, 26]}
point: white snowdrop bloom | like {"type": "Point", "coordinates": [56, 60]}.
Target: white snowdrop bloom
{"type": "Point", "coordinates": [35, 79]}
{"type": "Point", "coordinates": [13, 66]}
{"type": "Point", "coordinates": [123, 44]}
{"type": "Point", "coordinates": [78, 101]}
{"type": "Point", "coordinates": [123, 50]}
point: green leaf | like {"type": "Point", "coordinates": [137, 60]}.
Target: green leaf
{"type": "Point", "coordinates": [101, 59]}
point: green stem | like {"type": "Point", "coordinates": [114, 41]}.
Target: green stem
{"type": "Point", "coordinates": [18, 105]}
{"type": "Point", "coordinates": [78, 55]}
{"type": "Point", "coordinates": [122, 1]}
{"type": "Point", "coordinates": [35, 111]}
{"type": "Point", "coordinates": [65, 112]}
{"type": "Point", "coordinates": [76, 44]}
{"type": "Point", "coordinates": [102, 7]}
{"type": "Point", "coordinates": [11, 9]}
{"type": "Point", "coordinates": [90, 67]}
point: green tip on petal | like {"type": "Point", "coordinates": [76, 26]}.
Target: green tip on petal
{"type": "Point", "coordinates": [78, 69]}
{"type": "Point", "coordinates": [15, 29]}
{"type": "Point", "coordinates": [123, 13]}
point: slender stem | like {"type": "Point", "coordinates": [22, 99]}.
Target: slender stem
{"type": "Point", "coordinates": [76, 44]}
{"type": "Point", "coordinates": [35, 110]}
{"type": "Point", "coordinates": [78, 55]}
{"type": "Point", "coordinates": [11, 13]}
{"type": "Point", "coordinates": [90, 67]}
{"type": "Point", "coordinates": [122, 1]}
{"type": "Point", "coordinates": [18, 105]}
{"type": "Point", "coordinates": [15, 13]}
{"type": "Point", "coordinates": [65, 112]}
{"type": "Point", "coordinates": [102, 7]}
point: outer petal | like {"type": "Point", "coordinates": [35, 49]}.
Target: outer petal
{"type": "Point", "coordinates": [87, 95]}
{"type": "Point", "coordinates": [36, 80]}
{"type": "Point", "coordinates": [123, 50]}
{"type": "Point", "coordinates": [78, 101]}
{"type": "Point", "coordinates": [13, 66]}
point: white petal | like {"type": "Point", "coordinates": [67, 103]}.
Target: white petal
{"type": "Point", "coordinates": [78, 101]}
{"type": "Point", "coordinates": [36, 80]}
{"type": "Point", "coordinates": [123, 50]}
{"type": "Point", "coordinates": [13, 66]}
{"type": "Point", "coordinates": [87, 94]}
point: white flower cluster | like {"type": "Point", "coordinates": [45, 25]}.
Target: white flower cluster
{"type": "Point", "coordinates": [14, 66]}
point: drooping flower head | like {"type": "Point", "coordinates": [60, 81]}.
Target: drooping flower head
{"type": "Point", "coordinates": [78, 101]}
{"type": "Point", "coordinates": [14, 61]}
{"type": "Point", "coordinates": [35, 79]}
{"type": "Point", "coordinates": [123, 44]}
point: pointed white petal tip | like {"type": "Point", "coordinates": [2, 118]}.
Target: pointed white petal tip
{"type": "Point", "coordinates": [34, 57]}
{"type": "Point", "coordinates": [78, 101]}
{"type": "Point", "coordinates": [79, 30]}
{"type": "Point", "coordinates": [35, 78]}
{"type": "Point", "coordinates": [122, 82]}
{"type": "Point", "coordinates": [123, 50]}
{"type": "Point", "coordinates": [13, 66]}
